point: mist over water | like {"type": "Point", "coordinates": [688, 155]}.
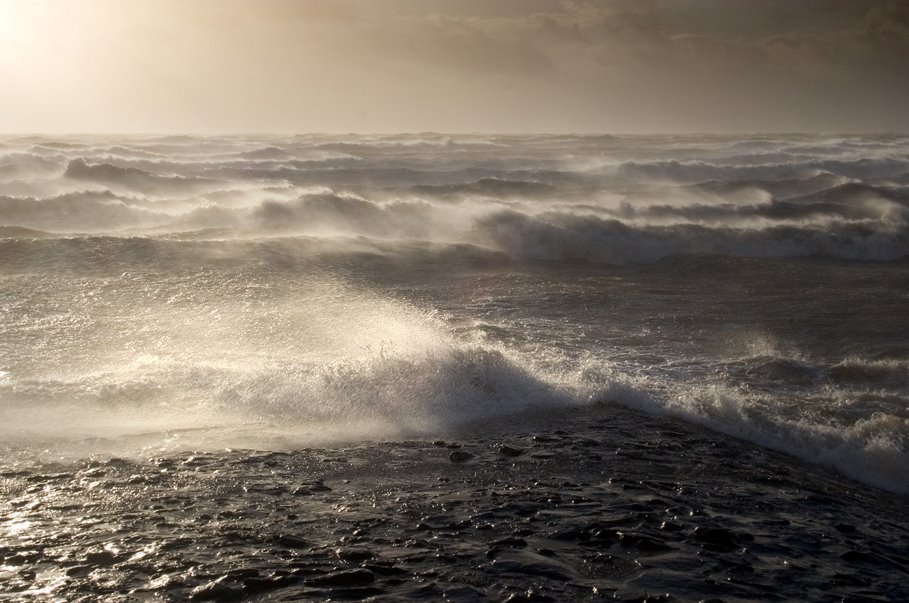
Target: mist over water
{"type": "Point", "coordinates": [168, 293]}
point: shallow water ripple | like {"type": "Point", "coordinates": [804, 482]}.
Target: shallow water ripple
{"type": "Point", "coordinates": [628, 508]}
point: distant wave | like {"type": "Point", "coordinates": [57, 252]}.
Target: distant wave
{"type": "Point", "coordinates": [778, 189]}
{"type": "Point", "coordinates": [84, 211]}
{"type": "Point", "coordinates": [134, 178]}
{"type": "Point", "coordinates": [129, 151]}
{"type": "Point", "coordinates": [495, 187]}
{"type": "Point", "coordinates": [566, 236]}
{"type": "Point", "coordinates": [18, 232]}
{"type": "Point", "coordinates": [850, 201]}
{"type": "Point", "coordinates": [697, 170]}
{"type": "Point", "coordinates": [266, 153]}
{"type": "Point", "coordinates": [28, 165]}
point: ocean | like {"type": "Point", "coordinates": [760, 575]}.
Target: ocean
{"type": "Point", "coordinates": [725, 311]}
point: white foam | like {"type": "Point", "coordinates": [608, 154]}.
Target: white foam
{"type": "Point", "coordinates": [330, 361]}
{"type": "Point", "coordinates": [873, 450]}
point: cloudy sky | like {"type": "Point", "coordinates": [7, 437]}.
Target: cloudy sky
{"type": "Point", "coordinates": [621, 66]}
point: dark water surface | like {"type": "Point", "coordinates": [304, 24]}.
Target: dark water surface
{"type": "Point", "coordinates": [598, 504]}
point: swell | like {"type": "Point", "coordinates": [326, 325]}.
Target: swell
{"type": "Point", "coordinates": [589, 238]}
{"type": "Point", "coordinates": [82, 211]}
{"type": "Point", "coordinates": [699, 170]}
{"type": "Point", "coordinates": [584, 211]}
{"type": "Point", "coordinates": [551, 236]}
{"type": "Point", "coordinates": [134, 178]}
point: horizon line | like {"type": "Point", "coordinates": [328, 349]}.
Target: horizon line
{"type": "Point", "coordinates": [456, 133]}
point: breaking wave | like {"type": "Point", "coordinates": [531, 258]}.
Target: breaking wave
{"type": "Point", "coordinates": [872, 449]}
{"type": "Point", "coordinates": [134, 178]}
{"type": "Point", "coordinates": [327, 362]}
{"type": "Point", "coordinates": [695, 171]}
{"type": "Point", "coordinates": [572, 237]}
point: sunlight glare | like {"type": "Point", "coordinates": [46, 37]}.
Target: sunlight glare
{"type": "Point", "coordinates": [15, 19]}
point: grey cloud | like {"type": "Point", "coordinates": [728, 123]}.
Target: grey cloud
{"type": "Point", "coordinates": [858, 36]}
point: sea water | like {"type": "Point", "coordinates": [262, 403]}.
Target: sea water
{"type": "Point", "coordinates": [165, 293]}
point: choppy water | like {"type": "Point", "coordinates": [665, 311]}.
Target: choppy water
{"type": "Point", "coordinates": [170, 293]}
{"type": "Point", "coordinates": [165, 294]}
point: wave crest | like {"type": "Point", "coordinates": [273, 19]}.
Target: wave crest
{"type": "Point", "coordinates": [559, 236]}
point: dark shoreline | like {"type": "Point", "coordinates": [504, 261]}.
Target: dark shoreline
{"type": "Point", "coordinates": [602, 503]}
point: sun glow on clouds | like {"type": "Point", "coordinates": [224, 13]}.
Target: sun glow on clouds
{"type": "Point", "coordinates": [42, 45]}
{"type": "Point", "coordinates": [17, 24]}
{"type": "Point", "coordinates": [43, 40]}
{"type": "Point", "coordinates": [452, 65]}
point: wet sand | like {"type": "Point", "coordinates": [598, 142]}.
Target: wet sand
{"type": "Point", "coordinates": [595, 503]}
